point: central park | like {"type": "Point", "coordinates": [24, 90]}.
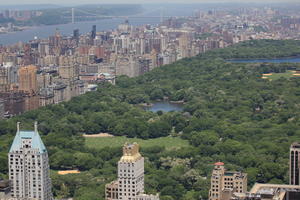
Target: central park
{"type": "Point", "coordinates": [230, 114]}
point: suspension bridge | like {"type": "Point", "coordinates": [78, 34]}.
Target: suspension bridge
{"type": "Point", "coordinates": [90, 15]}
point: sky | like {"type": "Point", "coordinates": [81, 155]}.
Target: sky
{"type": "Point", "coordinates": [76, 2]}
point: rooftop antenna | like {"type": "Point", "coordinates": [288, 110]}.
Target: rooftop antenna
{"type": "Point", "coordinates": [73, 15]}
{"type": "Point", "coordinates": [18, 127]}
{"type": "Point", "coordinates": [35, 127]}
{"type": "Point", "coordinates": [161, 15]}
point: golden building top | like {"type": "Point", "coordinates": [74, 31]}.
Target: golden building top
{"type": "Point", "coordinates": [130, 153]}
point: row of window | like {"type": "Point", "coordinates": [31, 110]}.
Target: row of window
{"type": "Point", "coordinates": [127, 182]}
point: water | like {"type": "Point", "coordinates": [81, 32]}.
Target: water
{"type": "Point", "coordinates": [277, 60]}
{"type": "Point", "coordinates": [67, 29]}
{"type": "Point", "coordinates": [165, 106]}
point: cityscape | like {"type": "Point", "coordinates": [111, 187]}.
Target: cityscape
{"type": "Point", "coordinates": [154, 101]}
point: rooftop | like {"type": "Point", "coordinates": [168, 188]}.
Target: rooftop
{"type": "Point", "coordinates": [271, 188]}
{"type": "Point", "coordinates": [36, 143]}
{"type": "Point", "coordinates": [295, 145]}
{"type": "Point", "coordinates": [130, 153]}
{"type": "Point", "coordinates": [219, 163]}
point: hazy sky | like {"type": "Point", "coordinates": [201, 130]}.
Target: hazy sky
{"type": "Point", "coordinates": [10, 2]}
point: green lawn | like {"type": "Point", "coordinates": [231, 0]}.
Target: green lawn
{"type": "Point", "coordinates": [288, 74]}
{"type": "Point", "coordinates": [168, 142]}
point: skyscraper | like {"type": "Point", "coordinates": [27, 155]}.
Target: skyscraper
{"type": "Point", "coordinates": [130, 183]}
{"type": "Point", "coordinates": [28, 85]}
{"type": "Point", "coordinates": [76, 34]}
{"type": "Point", "coordinates": [8, 76]}
{"type": "Point", "coordinates": [28, 79]}
{"type": "Point", "coordinates": [93, 33]}
{"type": "Point", "coordinates": [294, 164]}
{"type": "Point", "coordinates": [29, 167]}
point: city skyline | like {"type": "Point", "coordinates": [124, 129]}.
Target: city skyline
{"type": "Point", "coordinates": [76, 2]}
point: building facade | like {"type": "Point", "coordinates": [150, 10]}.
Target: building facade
{"type": "Point", "coordinates": [28, 79]}
{"type": "Point", "coordinates": [130, 183]}
{"type": "Point", "coordinates": [29, 167]}
{"type": "Point", "coordinates": [294, 164]}
{"type": "Point", "coordinates": [222, 181]}
{"type": "Point", "coordinates": [131, 172]}
{"type": "Point", "coordinates": [2, 108]}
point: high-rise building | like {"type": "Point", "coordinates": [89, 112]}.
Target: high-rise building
{"type": "Point", "coordinates": [8, 76]}
{"type": "Point", "coordinates": [93, 33]}
{"type": "Point", "coordinates": [294, 164]}
{"type": "Point", "coordinates": [222, 181]}
{"type": "Point", "coordinates": [130, 183]}
{"type": "Point", "coordinates": [28, 84]}
{"type": "Point", "coordinates": [29, 167]}
{"type": "Point", "coordinates": [28, 79]}
{"type": "Point", "coordinates": [76, 34]}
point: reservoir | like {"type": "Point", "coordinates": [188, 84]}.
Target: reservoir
{"type": "Point", "coordinates": [164, 106]}
{"type": "Point", "coordinates": [275, 60]}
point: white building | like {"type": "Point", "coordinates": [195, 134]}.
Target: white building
{"type": "Point", "coordinates": [29, 167]}
{"type": "Point", "coordinates": [130, 183]}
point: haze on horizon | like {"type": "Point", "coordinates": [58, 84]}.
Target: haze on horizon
{"type": "Point", "coordinates": [77, 2]}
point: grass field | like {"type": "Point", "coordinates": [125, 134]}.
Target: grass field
{"type": "Point", "coordinates": [167, 142]}
{"type": "Point", "coordinates": [275, 76]}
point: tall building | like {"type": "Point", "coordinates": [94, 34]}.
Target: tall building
{"type": "Point", "coordinates": [76, 34]}
{"type": "Point", "coordinates": [93, 33]}
{"type": "Point", "coordinates": [8, 76]}
{"type": "Point", "coordinates": [29, 167]}
{"type": "Point", "coordinates": [222, 181]}
{"type": "Point", "coordinates": [28, 79]}
{"type": "Point", "coordinates": [130, 183]}
{"type": "Point", "coordinates": [28, 84]}
{"type": "Point", "coordinates": [294, 164]}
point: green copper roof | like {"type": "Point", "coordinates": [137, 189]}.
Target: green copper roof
{"type": "Point", "coordinates": [36, 143]}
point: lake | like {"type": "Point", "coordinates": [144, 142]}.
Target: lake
{"type": "Point", "coordinates": [164, 106]}
{"type": "Point", "coordinates": [276, 60]}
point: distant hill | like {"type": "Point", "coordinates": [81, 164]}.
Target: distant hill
{"type": "Point", "coordinates": [29, 7]}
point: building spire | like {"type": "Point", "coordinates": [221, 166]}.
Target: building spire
{"type": "Point", "coordinates": [35, 127]}
{"type": "Point", "coordinates": [18, 127]}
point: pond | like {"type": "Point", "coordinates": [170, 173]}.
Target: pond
{"type": "Point", "coordinates": [164, 106]}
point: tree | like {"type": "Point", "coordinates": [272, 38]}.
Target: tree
{"type": "Point", "coordinates": [84, 161]}
{"type": "Point", "coordinates": [159, 129]}
{"type": "Point", "coordinates": [204, 138]}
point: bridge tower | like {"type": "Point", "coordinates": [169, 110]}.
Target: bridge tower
{"type": "Point", "coordinates": [161, 15]}
{"type": "Point", "coordinates": [73, 15]}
